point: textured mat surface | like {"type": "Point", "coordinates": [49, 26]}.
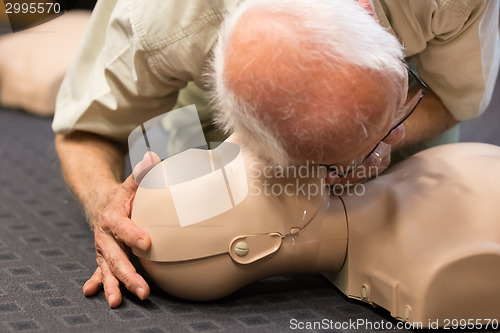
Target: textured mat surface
{"type": "Point", "coordinates": [46, 254]}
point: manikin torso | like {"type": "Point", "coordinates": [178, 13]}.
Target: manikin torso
{"type": "Point", "coordinates": [422, 241]}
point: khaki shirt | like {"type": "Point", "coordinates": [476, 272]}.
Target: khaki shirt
{"type": "Point", "coordinates": [137, 55]}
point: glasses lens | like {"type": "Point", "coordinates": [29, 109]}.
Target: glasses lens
{"type": "Point", "coordinates": [416, 90]}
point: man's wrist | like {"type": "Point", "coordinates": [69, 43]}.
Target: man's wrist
{"type": "Point", "coordinates": [92, 166]}
{"type": "Point", "coordinates": [428, 121]}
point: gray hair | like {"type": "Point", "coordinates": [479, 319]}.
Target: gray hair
{"type": "Point", "coordinates": [336, 34]}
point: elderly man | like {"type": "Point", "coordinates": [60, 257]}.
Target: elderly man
{"type": "Point", "coordinates": [300, 80]}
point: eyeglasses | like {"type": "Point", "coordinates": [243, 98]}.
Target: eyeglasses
{"type": "Point", "coordinates": [416, 90]}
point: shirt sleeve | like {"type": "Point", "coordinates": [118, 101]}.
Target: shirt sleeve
{"type": "Point", "coordinates": [455, 45]}
{"type": "Point", "coordinates": [132, 62]}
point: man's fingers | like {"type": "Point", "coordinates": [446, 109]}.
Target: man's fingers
{"type": "Point", "coordinates": [114, 219]}
{"type": "Point", "coordinates": [384, 152]}
{"type": "Point", "coordinates": [93, 284]}
{"type": "Point", "coordinates": [372, 167]}
{"type": "Point", "coordinates": [396, 135]}
{"type": "Point", "coordinates": [124, 271]}
{"type": "Point", "coordinates": [126, 231]}
{"type": "Point", "coordinates": [378, 161]}
{"type": "Point", "coordinates": [119, 265]}
{"type": "Point", "coordinates": [149, 160]}
{"type": "Point", "coordinates": [111, 285]}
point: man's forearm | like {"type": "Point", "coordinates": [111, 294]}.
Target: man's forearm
{"type": "Point", "coordinates": [91, 165]}
{"type": "Point", "coordinates": [430, 119]}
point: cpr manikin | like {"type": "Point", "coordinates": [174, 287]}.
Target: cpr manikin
{"type": "Point", "coordinates": [422, 241]}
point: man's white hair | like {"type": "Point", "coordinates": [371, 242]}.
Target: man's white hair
{"type": "Point", "coordinates": [338, 34]}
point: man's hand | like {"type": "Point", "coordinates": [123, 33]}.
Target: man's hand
{"type": "Point", "coordinates": [93, 166]}
{"type": "Point", "coordinates": [373, 165]}
{"type": "Point", "coordinates": [114, 233]}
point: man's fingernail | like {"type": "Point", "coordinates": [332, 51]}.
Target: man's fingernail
{"type": "Point", "coordinates": [111, 298]}
{"type": "Point", "coordinates": [141, 292]}
{"type": "Point", "coordinates": [141, 243]}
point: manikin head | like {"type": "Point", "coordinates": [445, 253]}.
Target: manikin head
{"type": "Point", "coordinates": [301, 80]}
